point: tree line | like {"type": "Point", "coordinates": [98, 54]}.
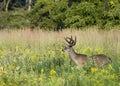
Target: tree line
{"type": "Point", "coordinates": [59, 14]}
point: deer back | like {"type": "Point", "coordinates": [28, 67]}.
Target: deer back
{"type": "Point", "coordinates": [101, 59]}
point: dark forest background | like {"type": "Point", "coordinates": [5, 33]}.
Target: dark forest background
{"type": "Point", "coordinates": [59, 14]}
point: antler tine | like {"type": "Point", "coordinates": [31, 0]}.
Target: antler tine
{"type": "Point", "coordinates": [71, 37]}
{"type": "Point", "coordinates": [71, 41]}
{"type": "Point", "coordinates": [66, 39]}
{"type": "Point", "coordinates": [75, 40]}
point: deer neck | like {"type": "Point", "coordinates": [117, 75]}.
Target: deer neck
{"type": "Point", "coordinates": [72, 53]}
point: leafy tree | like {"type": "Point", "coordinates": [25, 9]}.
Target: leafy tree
{"type": "Point", "coordinates": [80, 15]}
{"type": "Point", "coordinates": [48, 14]}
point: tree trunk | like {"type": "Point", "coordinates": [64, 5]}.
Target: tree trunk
{"type": "Point", "coordinates": [29, 4]}
{"type": "Point", "coordinates": [6, 4]}
{"type": "Point", "coordinates": [106, 5]}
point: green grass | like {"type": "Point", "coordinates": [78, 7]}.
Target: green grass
{"type": "Point", "coordinates": [34, 58]}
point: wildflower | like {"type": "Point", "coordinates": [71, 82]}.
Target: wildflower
{"type": "Point", "coordinates": [3, 73]}
{"type": "Point", "coordinates": [109, 66]}
{"type": "Point", "coordinates": [60, 79]}
{"type": "Point", "coordinates": [27, 51]}
{"type": "Point", "coordinates": [1, 68]}
{"type": "Point", "coordinates": [93, 70]}
{"type": "Point", "coordinates": [52, 72]}
{"type": "Point", "coordinates": [34, 80]}
{"type": "Point", "coordinates": [17, 68]}
{"type": "Point", "coordinates": [104, 71]}
{"type": "Point", "coordinates": [12, 67]}
{"type": "Point", "coordinates": [40, 79]}
{"type": "Point", "coordinates": [17, 48]}
{"type": "Point", "coordinates": [99, 50]}
{"type": "Point", "coordinates": [113, 76]}
{"type": "Point", "coordinates": [42, 70]}
{"type": "Point", "coordinates": [111, 2]}
{"type": "Point", "coordinates": [88, 50]}
{"type": "Point", "coordinates": [34, 57]}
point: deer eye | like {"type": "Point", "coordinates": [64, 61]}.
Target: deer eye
{"type": "Point", "coordinates": [70, 46]}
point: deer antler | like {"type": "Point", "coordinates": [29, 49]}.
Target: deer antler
{"type": "Point", "coordinates": [70, 41]}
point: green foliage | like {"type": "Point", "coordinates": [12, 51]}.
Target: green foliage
{"type": "Point", "coordinates": [58, 14]}
{"type": "Point", "coordinates": [110, 18]}
{"type": "Point", "coordinates": [80, 16]}
{"type": "Point", "coordinates": [47, 14]}
{"type": "Point", "coordinates": [24, 65]}
{"type": "Point", "coordinates": [13, 20]}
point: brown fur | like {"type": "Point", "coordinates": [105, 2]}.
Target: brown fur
{"type": "Point", "coordinates": [100, 59]}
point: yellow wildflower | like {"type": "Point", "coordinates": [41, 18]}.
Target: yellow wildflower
{"type": "Point", "coordinates": [60, 79]}
{"type": "Point", "coordinates": [40, 79]}
{"type": "Point", "coordinates": [27, 51]}
{"type": "Point", "coordinates": [113, 76]}
{"type": "Point", "coordinates": [12, 67]}
{"type": "Point", "coordinates": [88, 50]}
{"type": "Point", "coordinates": [111, 2]}
{"type": "Point", "coordinates": [99, 50]}
{"type": "Point", "coordinates": [52, 72]}
{"type": "Point", "coordinates": [42, 70]}
{"type": "Point", "coordinates": [109, 66]}
{"type": "Point", "coordinates": [17, 48]}
{"type": "Point", "coordinates": [34, 57]}
{"type": "Point", "coordinates": [93, 70]}
{"type": "Point", "coordinates": [104, 71]}
{"type": "Point", "coordinates": [1, 68]}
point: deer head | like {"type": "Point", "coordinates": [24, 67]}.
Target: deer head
{"type": "Point", "coordinates": [70, 42]}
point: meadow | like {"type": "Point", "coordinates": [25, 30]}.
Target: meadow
{"type": "Point", "coordinates": [35, 58]}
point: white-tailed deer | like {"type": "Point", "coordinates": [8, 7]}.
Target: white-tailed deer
{"type": "Point", "coordinates": [78, 59]}
{"type": "Point", "coordinates": [82, 59]}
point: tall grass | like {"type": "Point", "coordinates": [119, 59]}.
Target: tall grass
{"type": "Point", "coordinates": [32, 58]}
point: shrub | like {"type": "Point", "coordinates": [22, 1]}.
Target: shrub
{"type": "Point", "coordinates": [80, 16]}
{"type": "Point", "coordinates": [13, 20]}
{"type": "Point", "coordinates": [110, 18]}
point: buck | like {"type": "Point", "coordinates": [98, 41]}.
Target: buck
{"type": "Point", "coordinates": [82, 59]}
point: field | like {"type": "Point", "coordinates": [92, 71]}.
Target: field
{"type": "Point", "coordinates": [35, 58]}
